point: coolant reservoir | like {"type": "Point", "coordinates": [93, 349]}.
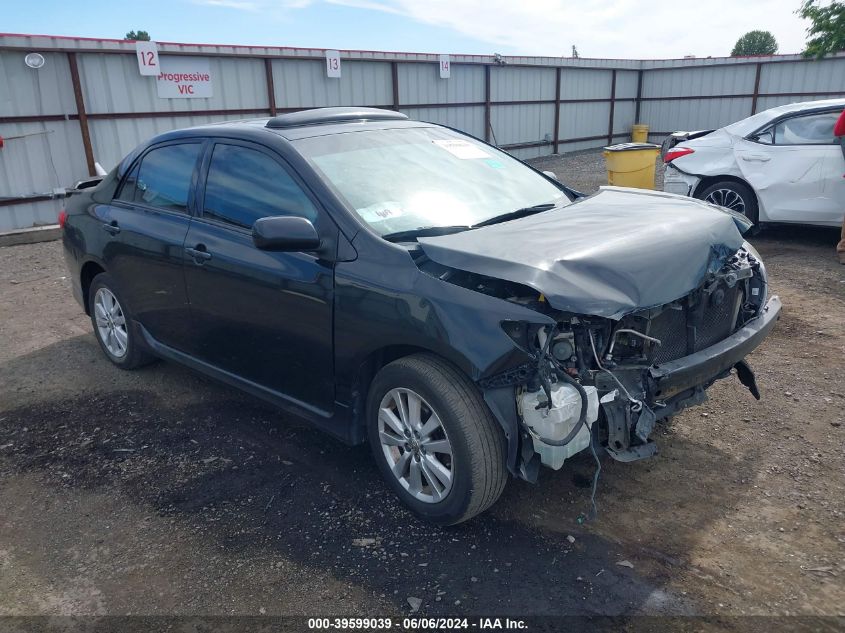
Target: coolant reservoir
{"type": "Point", "coordinates": [557, 422]}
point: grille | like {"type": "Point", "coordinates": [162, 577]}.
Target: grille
{"type": "Point", "coordinates": [717, 322]}
{"type": "Point", "coordinates": [670, 326]}
{"type": "Point", "coordinates": [718, 319]}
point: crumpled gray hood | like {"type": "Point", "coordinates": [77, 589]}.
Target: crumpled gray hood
{"type": "Point", "coordinates": [615, 252]}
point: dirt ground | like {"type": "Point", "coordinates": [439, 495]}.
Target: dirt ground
{"type": "Point", "coordinates": [161, 492]}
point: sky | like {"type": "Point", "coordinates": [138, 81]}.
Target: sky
{"type": "Point", "coordinates": [608, 28]}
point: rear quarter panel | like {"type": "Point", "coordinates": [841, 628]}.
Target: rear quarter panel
{"type": "Point", "coordinates": [81, 242]}
{"type": "Point", "coordinates": [713, 155]}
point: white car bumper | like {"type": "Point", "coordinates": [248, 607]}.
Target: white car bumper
{"type": "Point", "coordinates": [675, 181]}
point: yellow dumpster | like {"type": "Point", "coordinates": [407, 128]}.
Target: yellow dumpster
{"type": "Point", "coordinates": [631, 164]}
{"type": "Point", "coordinates": [639, 133]}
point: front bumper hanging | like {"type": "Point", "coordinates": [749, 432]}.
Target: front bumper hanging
{"type": "Point", "coordinates": [673, 377]}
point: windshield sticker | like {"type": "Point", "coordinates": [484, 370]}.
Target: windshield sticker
{"type": "Point", "coordinates": [492, 162]}
{"type": "Point", "coordinates": [462, 149]}
{"type": "Point", "coordinates": [381, 211]}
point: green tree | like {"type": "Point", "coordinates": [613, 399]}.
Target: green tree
{"type": "Point", "coordinates": [755, 43]}
{"type": "Point", "coordinates": [138, 36]}
{"type": "Point", "coordinates": [827, 27]}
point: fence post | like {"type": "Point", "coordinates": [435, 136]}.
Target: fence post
{"type": "Point", "coordinates": [612, 107]}
{"type": "Point", "coordinates": [394, 76]}
{"type": "Point", "coordinates": [639, 95]}
{"type": "Point", "coordinates": [81, 114]}
{"type": "Point", "coordinates": [487, 118]}
{"type": "Point", "coordinates": [556, 145]}
{"type": "Point", "coordinates": [271, 86]}
{"type": "Point", "coordinates": [756, 88]}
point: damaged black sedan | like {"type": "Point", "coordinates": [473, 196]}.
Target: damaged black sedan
{"type": "Point", "coordinates": [405, 284]}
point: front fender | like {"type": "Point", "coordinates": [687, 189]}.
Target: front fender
{"type": "Point", "coordinates": [410, 309]}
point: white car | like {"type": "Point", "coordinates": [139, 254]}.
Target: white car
{"type": "Point", "coordinates": [780, 165]}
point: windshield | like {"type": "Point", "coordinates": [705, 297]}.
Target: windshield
{"type": "Point", "coordinates": [404, 179]}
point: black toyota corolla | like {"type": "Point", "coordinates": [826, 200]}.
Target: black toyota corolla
{"type": "Point", "coordinates": [405, 283]}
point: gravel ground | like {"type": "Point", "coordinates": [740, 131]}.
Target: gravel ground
{"type": "Point", "coordinates": [585, 170]}
{"type": "Point", "coordinates": [161, 492]}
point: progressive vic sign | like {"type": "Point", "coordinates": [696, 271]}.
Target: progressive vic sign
{"type": "Point", "coordinates": [184, 78]}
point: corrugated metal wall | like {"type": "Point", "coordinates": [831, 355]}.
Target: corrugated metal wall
{"type": "Point", "coordinates": [665, 113]}
{"type": "Point", "coordinates": [46, 158]}
{"type": "Point", "coordinates": [791, 77]}
{"type": "Point", "coordinates": [303, 84]}
{"type": "Point", "coordinates": [597, 100]}
{"type": "Point", "coordinates": [703, 97]}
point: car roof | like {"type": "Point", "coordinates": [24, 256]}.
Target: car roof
{"type": "Point", "coordinates": [290, 126]}
{"type": "Point", "coordinates": [755, 122]}
{"type": "Point", "coordinates": [808, 105]}
{"type": "Point", "coordinates": [306, 123]}
{"type": "Point", "coordinates": [319, 116]}
{"type": "Point", "coordinates": [325, 129]}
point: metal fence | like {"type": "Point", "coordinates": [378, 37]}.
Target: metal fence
{"type": "Point", "coordinates": [89, 103]}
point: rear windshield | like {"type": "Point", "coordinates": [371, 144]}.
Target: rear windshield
{"type": "Point", "coordinates": [408, 178]}
{"type": "Point", "coordinates": [751, 124]}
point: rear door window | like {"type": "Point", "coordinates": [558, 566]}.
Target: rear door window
{"type": "Point", "coordinates": [245, 184]}
{"type": "Point", "coordinates": [812, 129]}
{"type": "Point", "coordinates": [163, 177]}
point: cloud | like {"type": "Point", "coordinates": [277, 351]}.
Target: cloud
{"type": "Point", "coordinates": [605, 28]}
{"type": "Point", "coordinates": [599, 28]}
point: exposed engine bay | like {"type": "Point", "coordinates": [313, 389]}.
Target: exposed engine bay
{"type": "Point", "coordinates": [597, 377]}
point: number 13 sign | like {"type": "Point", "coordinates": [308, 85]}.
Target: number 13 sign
{"type": "Point", "coordinates": [147, 54]}
{"type": "Point", "coordinates": [445, 67]}
{"type": "Point", "coordinates": [332, 64]}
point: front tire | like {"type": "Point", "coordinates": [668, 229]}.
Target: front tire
{"type": "Point", "coordinates": [114, 328]}
{"type": "Point", "coordinates": [732, 195]}
{"type": "Point", "coordinates": [434, 439]}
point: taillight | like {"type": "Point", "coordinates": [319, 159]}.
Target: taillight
{"type": "Point", "coordinates": [62, 218]}
{"type": "Point", "coordinates": [677, 152]}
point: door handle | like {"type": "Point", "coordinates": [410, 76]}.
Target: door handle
{"type": "Point", "coordinates": [200, 254]}
{"type": "Point", "coordinates": [756, 157]}
{"type": "Point", "coordinates": [112, 229]}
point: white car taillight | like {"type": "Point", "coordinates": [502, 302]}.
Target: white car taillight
{"type": "Point", "coordinates": [677, 152]}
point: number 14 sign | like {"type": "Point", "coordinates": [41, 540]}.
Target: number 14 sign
{"type": "Point", "coordinates": [147, 54]}
{"type": "Point", "coordinates": [445, 67]}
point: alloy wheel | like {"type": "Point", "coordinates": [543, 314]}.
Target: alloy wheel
{"type": "Point", "coordinates": [415, 445]}
{"type": "Point", "coordinates": [111, 323]}
{"type": "Point", "coordinates": [727, 198]}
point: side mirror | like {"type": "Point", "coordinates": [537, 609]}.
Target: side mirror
{"type": "Point", "coordinates": [285, 233]}
{"type": "Point", "coordinates": [551, 175]}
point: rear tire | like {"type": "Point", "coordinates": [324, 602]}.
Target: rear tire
{"type": "Point", "coordinates": [461, 459]}
{"type": "Point", "coordinates": [732, 195]}
{"type": "Point", "coordinates": [114, 328]}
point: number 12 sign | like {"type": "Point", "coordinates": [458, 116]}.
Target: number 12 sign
{"type": "Point", "coordinates": [147, 54]}
{"type": "Point", "coordinates": [333, 64]}
{"type": "Point", "coordinates": [445, 67]}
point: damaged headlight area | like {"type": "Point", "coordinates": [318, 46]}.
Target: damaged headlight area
{"type": "Point", "coordinates": [613, 379]}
